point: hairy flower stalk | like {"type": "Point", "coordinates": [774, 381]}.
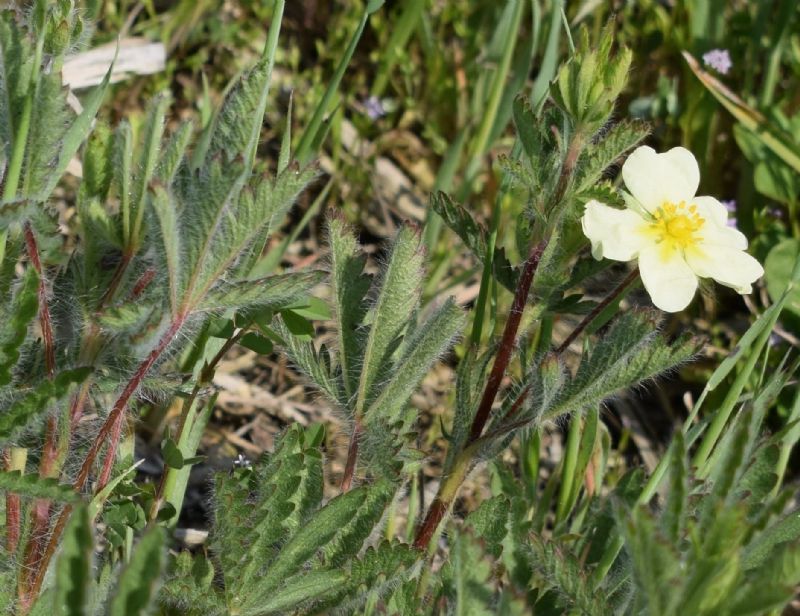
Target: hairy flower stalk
{"type": "Point", "coordinates": [449, 486]}
{"type": "Point", "coordinates": [507, 342]}
{"type": "Point", "coordinates": [626, 282]}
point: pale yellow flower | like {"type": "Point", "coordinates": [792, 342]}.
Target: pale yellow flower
{"type": "Point", "coordinates": [676, 236]}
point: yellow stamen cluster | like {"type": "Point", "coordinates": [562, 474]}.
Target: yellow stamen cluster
{"type": "Point", "coordinates": [677, 225]}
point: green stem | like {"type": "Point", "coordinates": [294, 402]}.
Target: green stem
{"type": "Point", "coordinates": [568, 469]}
{"type": "Point", "coordinates": [448, 489]}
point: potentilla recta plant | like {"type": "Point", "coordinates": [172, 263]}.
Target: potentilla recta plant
{"type": "Point", "coordinates": [170, 267]}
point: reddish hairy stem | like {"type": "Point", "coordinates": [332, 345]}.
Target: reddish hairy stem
{"type": "Point", "coordinates": [76, 408]}
{"type": "Point", "coordinates": [40, 513]}
{"type": "Point", "coordinates": [117, 278]}
{"type": "Point", "coordinates": [111, 452]}
{"type": "Point", "coordinates": [597, 310]}
{"type": "Point", "coordinates": [44, 312]}
{"type": "Point", "coordinates": [143, 282]}
{"type": "Point", "coordinates": [352, 456]}
{"type": "Point", "coordinates": [116, 411]}
{"type": "Point", "coordinates": [449, 488]}
{"type": "Point", "coordinates": [435, 515]}
{"type": "Point", "coordinates": [12, 513]}
{"type": "Point", "coordinates": [503, 357]}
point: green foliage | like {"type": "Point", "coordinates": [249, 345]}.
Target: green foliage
{"type": "Point", "coordinates": [280, 548]}
{"type": "Point", "coordinates": [74, 566]}
{"type": "Point", "coordinates": [33, 486]}
{"type": "Point", "coordinates": [631, 351]}
{"type": "Point", "coordinates": [169, 262]}
{"type": "Point", "coordinates": [139, 579]}
{"type": "Point", "coordinates": [588, 85]}
{"type": "Point", "coordinates": [697, 556]}
{"type": "Point", "coordinates": [383, 352]}
{"type": "Point", "coordinates": [17, 316]}
{"type": "Point", "coordinates": [39, 131]}
{"type": "Point", "coordinates": [475, 237]}
{"type": "Point", "coordinates": [30, 404]}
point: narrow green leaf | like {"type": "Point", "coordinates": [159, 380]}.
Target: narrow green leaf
{"type": "Point", "coordinates": [271, 292]}
{"type": "Point", "coordinates": [349, 287]}
{"type": "Point", "coordinates": [400, 287]}
{"type": "Point", "coordinates": [424, 347]}
{"type": "Point", "coordinates": [78, 131]}
{"type": "Point", "coordinates": [73, 576]}
{"type": "Point", "coordinates": [299, 589]}
{"type": "Point", "coordinates": [139, 579]}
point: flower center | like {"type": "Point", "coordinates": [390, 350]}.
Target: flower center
{"type": "Point", "coordinates": [677, 225]}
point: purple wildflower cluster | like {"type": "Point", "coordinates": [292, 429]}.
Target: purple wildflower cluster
{"type": "Point", "coordinates": [719, 60]}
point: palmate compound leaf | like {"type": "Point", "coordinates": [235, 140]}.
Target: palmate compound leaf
{"type": "Point", "coordinates": [377, 353]}
{"type": "Point", "coordinates": [215, 212]}
{"type": "Point", "coordinates": [211, 221]}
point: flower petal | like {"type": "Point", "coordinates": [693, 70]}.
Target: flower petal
{"type": "Point", "coordinates": [723, 236]}
{"type": "Point", "coordinates": [712, 210]}
{"type": "Point", "coordinates": [655, 179]}
{"type": "Point", "coordinates": [727, 265]}
{"type": "Point", "coordinates": [716, 231]}
{"type": "Point", "coordinates": [669, 280]}
{"type": "Point", "coordinates": [614, 233]}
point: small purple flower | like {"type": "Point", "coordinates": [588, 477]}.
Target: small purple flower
{"type": "Point", "coordinates": [374, 108]}
{"type": "Point", "coordinates": [730, 205]}
{"type": "Point", "coordinates": [719, 60]}
{"type": "Point", "coordinates": [731, 222]}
